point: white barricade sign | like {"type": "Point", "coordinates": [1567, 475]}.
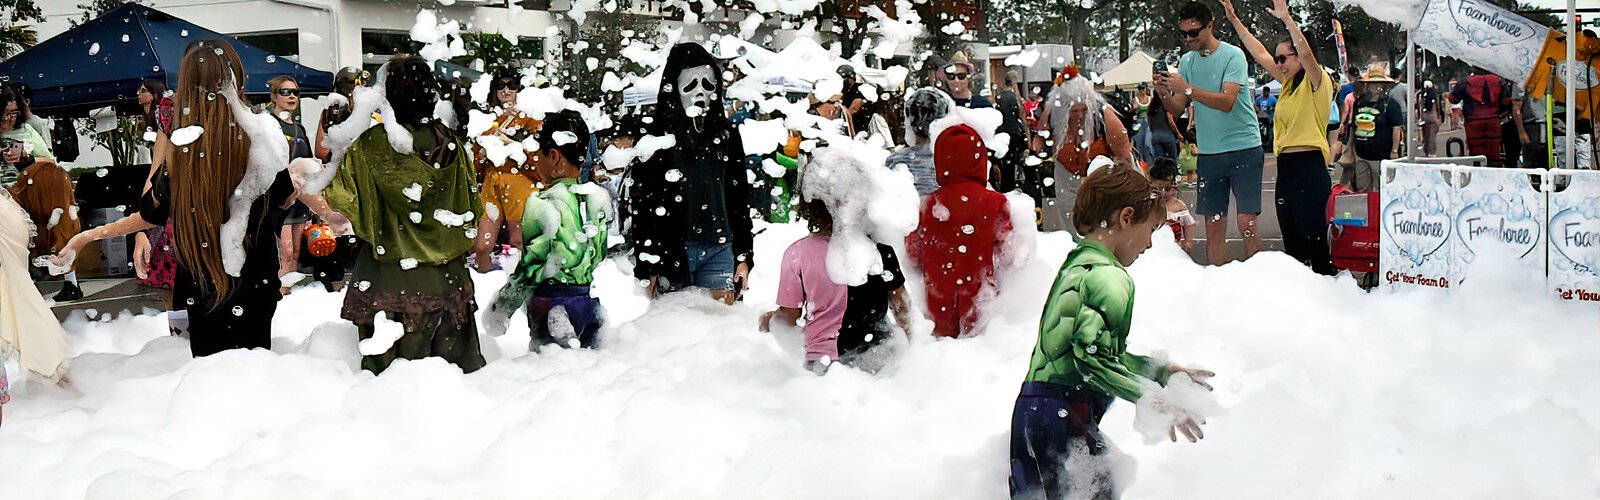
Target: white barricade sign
{"type": "Point", "coordinates": [1418, 224]}
{"type": "Point", "coordinates": [1574, 237]}
{"type": "Point", "coordinates": [1498, 213]}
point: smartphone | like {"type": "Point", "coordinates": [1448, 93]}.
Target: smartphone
{"type": "Point", "coordinates": [1160, 66]}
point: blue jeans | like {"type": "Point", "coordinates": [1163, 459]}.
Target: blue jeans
{"type": "Point", "coordinates": [1163, 145]}
{"type": "Point", "coordinates": [710, 266]}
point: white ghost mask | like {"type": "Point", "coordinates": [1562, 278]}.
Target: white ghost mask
{"type": "Point", "coordinates": [696, 89]}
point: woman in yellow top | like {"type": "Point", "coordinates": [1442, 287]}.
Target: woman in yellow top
{"type": "Point", "coordinates": [508, 183]}
{"type": "Point", "coordinates": [1300, 139]}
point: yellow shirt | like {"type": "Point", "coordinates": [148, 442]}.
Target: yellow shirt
{"type": "Point", "coordinates": [1302, 116]}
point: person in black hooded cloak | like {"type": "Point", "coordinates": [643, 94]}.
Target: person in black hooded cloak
{"type": "Point", "coordinates": [691, 203]}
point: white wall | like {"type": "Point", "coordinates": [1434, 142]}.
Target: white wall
{"type": "Point", "coordinates": [329, 30]}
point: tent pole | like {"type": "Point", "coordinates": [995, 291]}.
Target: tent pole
{"type": "Point", "coordinates": [1411, 86]}
{"type": "Point", "coordinates": [1572, 78]}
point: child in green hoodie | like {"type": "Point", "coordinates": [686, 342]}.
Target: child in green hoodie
{"type": "Point", "coordinates": [564, 232]}
{"type": "Point", "coordinates": [1081, 363]}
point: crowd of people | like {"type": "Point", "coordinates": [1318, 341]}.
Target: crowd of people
{"type": "Point", "coordinates": [398, 201]}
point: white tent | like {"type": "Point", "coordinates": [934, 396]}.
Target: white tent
{"type": "Point", "coordinates": [1135, 70]}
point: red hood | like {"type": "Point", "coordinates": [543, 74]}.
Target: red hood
{"type": "Point", "coordinates": [959, 156]}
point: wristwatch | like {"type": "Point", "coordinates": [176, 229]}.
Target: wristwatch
{"type": "Point", "coordinates": [1188, 91]}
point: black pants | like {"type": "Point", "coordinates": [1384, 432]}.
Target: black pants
{"type": "Point", "coordinates": [1511, 141]}
{"type": "Point", "coordinates": [1303, 189]}
{"type": "Point", "coordinates": [1057, 450]}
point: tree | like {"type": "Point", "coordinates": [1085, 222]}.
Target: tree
{"type": "Point", "coordinates": [96, 8]}
{"type": "Point", "coordinates": [1044, 21]}
{"type": "Point", "coordinates": [849, 23]}
{"type": "Point", "coordinates": [601, 38]}
{"type": "Point", "coordinates": [498, 54]}
{"type": "Point", "coordinates": [15, 35]}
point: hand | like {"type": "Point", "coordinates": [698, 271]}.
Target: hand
{"type": "Point", "coordinates": [1227, 7]}
{"type": "Point", "coordinates": [1188, 246]}
{"type": "Point", "coordinates": [1280, 9]}
{"type": "Point", "coordinates": [601, 178]}
{"type": "Point", "coordinates": [339, 223]}
{"type": "Point", "coordinates": [740, 277]}
{"type": "Point", "coordinates": [1198, 375]}
{"type": "Point", "coordinates": [58, 264]}
{"type": "Point", "coordinates": [1176, 83]}
{"type": "Point", "coordinates": [766, 320]}
{"type": "Point", "coordinates": [141, 255]}
{"type": "Point", "coordinates": [1191, 431]}
{"type": "Point", "coordinates": [650, 288]}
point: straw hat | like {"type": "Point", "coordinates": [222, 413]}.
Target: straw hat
{"type": "Point", "coordinates": [961, 59]}
{"type": "Point", "coordinates": [1377, 72]}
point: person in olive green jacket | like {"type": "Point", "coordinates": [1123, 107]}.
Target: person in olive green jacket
{"type": "Point", "coordinates": [416, 213]}
{"type": "Point", "coordinates": [1081, 363]}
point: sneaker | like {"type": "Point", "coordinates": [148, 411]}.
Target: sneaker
{"type": "Point", "coordinates": [69, 292]}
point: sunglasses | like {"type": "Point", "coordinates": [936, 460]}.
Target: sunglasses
{"type": "Point", "coordinates": [289, 92]}
{"type": "Point", "coordinates": [1194, 33]}
{"type": "Point", "coordinates": [1283, 58]}
{"type": "Point", "coordinates": [958, 76]}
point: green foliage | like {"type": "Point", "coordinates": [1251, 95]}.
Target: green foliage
{"type": "Point", "coordinates": [500, 55]}
{"type": "Point", "coordinates": [123, 142]}
{"type": "Point", "coordinates": [96, 8]}
{"type": "Point", "coordinates": [602, 38]}
{"type": "Point", "coordinates": [15, 34]}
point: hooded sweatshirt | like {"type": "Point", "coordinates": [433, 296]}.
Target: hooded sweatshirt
{"type": "Point", "coordinates": [678, 196]}
{"type": "Point", "coordinates": [961, 226]}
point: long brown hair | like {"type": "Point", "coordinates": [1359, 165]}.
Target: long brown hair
{"type": "Point", "coordinates": [41, 190]}
{"type": "Point", "coordinates": [204, 174]}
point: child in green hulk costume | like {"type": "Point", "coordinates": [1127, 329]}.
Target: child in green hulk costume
{"type": "Point", "coordinates": [564, 231]}
{"type": "Point", "coordinates": [1081, 364]}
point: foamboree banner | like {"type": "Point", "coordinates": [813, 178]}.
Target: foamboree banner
{"type": "Point", "coordinates": [1418, 225]}
{"type": "Point", "coordinates": [1483, 34]}
{"type": "Point", "coordinates": [1440, 220]}
{"type": "Point", "coordinates": [1574, 238]}
{"type": "Point", "coordinates": [1497, 212]}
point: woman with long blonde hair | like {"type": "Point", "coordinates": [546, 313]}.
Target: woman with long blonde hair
{"type": "Point", "coordinates": [196, 182]}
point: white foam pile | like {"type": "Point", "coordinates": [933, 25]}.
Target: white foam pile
{"type": "Point", "coordinates": [869, 204]}
{"type": "Point", "coordinates": [1480, 393]}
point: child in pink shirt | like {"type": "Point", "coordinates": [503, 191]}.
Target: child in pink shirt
{"type": "Point", "coordinates": [843, 323]}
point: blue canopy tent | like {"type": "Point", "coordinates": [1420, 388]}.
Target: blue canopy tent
{"type": "Point", "coordinates": [102, 62]}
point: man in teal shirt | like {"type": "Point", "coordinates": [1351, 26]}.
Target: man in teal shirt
{"type": "Point", "coordinates": [1214, 76]}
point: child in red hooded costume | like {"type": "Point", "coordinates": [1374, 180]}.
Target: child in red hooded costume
{"type": "Point", "coordinates": [962, 225]}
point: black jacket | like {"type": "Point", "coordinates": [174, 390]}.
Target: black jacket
{"type": "Point", "coordinates": [660, 228]}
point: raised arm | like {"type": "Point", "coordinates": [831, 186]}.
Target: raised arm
{"type": "Point", "coordinates": [1261, 53]}
{"type": "Point", "coordinates": [1302, 48]}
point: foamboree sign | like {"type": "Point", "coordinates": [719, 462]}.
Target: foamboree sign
{"type": "Point", "coordinates": [1417, 226]}
{"type": "Point", "coordinates": [1439, 220]}
{"type": "Point", "coordinates": [1483, 34]}
{"type": "Point", "coordinates": [1574, 238]}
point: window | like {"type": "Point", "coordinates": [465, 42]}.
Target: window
{"type": "Point", "coordinates": [387, 43]}
{"type": "Point", "coordinates": [531, 46]}
{"type": "Point", "coordinates": [283, 43]}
